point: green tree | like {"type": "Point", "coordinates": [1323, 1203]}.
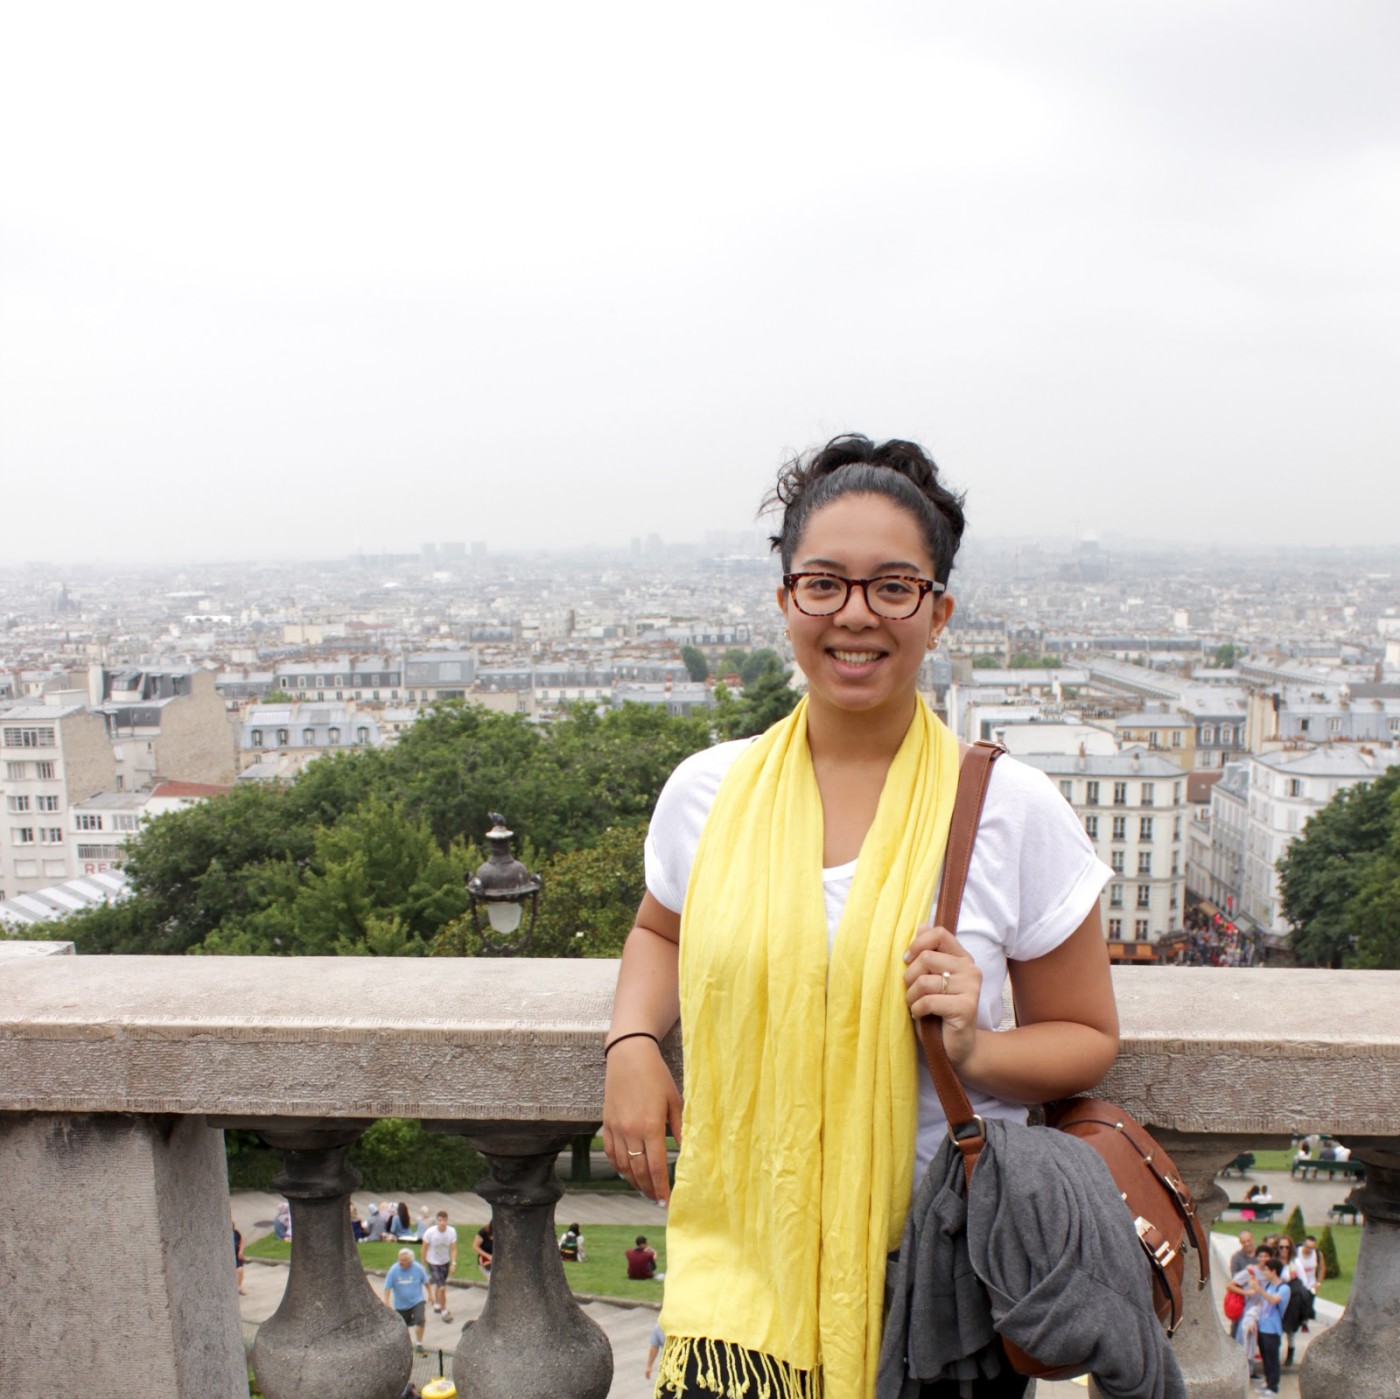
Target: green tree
{"type": "Point", "coordinates": [764, 661]}
{"type": "Point", "coordinates": [986, 663]}
{"type": "Point", "coordinates": [697, 667]}
{"type": "Point", "coordinates": [1342, 873]}
{"type": "Point", "coordinates": [1225, 655]}
{"type": "Point", "coordinates": [732, 662]}
{"type": "Point", "coordinates": [1295, 1229]}
{"type": "Point", "coordinates": [379, 885]}
{"type": "Point", "coordinates": [1327, 1247]}
{"type": "Point", "coordinates": [762, 704]}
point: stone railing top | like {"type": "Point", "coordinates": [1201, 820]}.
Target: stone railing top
{"type": "Point", "coordinates": [1204, 1049]}
{"type": "Point", "coordinates": [18, 947]}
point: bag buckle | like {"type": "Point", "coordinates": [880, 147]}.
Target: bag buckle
{"type": "Point", "coordinates": [966, 1131]}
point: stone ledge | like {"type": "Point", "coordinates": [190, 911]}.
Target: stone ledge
{"type": "Point", "coordinates": [1204, 1049]}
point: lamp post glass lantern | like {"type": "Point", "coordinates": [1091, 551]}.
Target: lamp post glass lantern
{"type": "Point", "coordinates": [503, 887]}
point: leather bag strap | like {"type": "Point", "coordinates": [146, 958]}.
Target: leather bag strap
{"type": "Point", "coordinates": [974, 776]}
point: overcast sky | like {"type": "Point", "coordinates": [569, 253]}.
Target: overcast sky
{"type": "Point", "coordinates": [294, 279]}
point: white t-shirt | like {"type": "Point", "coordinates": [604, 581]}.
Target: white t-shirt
{"type": "Point", "coordinates": [1033, 879]}
{"type": "Point", "coordinates": [437, 1244]}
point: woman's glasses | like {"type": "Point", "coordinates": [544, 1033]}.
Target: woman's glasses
{"type": "Point", "coordinates": [892, 595]}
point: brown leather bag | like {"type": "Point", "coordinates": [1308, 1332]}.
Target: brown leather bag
{"type": "Point", "coordinates": [1151, 1186]}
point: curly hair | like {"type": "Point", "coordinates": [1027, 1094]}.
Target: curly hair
{"type": "Point", "coordinates": [852, 464]}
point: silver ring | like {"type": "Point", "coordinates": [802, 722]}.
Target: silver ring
{"type": "Point", "coordinates": [944, 989]}
{"type": "Point", "coordinates": [642, 1152]}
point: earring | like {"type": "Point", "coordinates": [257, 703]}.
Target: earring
{"type": "Point", "coordinates": [934, 641]}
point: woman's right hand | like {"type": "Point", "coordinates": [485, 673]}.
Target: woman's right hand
{"type": "Point", "coordinates": [640, 1102]}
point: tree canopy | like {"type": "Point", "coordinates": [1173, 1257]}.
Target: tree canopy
{"type": "Point", "coordinates": [366, 852]}
{"type": "Point", "coordinates": [1340, 880]}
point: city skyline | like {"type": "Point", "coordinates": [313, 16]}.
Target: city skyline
{"type": "Point", "coordinates": [283, 288]}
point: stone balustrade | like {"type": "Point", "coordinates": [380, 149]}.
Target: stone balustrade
{"type": "Point", "coordinates": [116, 1074]}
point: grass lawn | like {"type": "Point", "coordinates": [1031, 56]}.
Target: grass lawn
{"type": "Point", "coordinates": [1347, 1237]}
{"type": "Point", "coordinates": [604, 1273]}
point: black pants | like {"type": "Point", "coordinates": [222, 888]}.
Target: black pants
{"type": "Point", "coordinates": [1268, 1353]}
{"type": "Point", "coordinates": [1007, 1385]}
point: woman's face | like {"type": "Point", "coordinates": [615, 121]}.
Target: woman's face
{"type": "Point", "coordinates": [856, 659]}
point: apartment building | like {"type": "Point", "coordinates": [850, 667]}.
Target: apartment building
{"type": "Point", "coordinates": [165, 724]}
{"type": "Point", "coordinates": [1284, 790]}
{"type": "Point", "coordinates": [378, 679]}
{"type": "Point", "coordinates": [104, 825]}
{"type": "Point", "coordinates": [51, 756]}
{"type": "Point", "coordinates": [1132, 806]}
{"type": "Point", "coordinates": [302, 732]}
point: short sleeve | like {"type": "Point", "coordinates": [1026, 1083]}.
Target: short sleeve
{"type": "Point", "coordinates": [681, 811]}
{"type": "Point", "coordinates": [1034, 876]}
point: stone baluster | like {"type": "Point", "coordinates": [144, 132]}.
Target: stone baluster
{"type": "Point", "coordinates": [531, 1341]}
{"type": "Point", "coordinates": [331, 1334]}
{"type": "Point", "coordinates": [1360, 1356]}
{"type": "Point", "coordinates": [1212, 1364]}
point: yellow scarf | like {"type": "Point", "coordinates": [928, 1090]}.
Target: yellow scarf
{"type": "Point", "coordinates": [800, 1076]}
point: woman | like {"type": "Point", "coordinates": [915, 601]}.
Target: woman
{"type": "Point", "coordinates": [485, 1246]}
{"type": "Point", "coordinates": [801, 868]}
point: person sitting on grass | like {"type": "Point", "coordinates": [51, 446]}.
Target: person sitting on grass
{"type": "Point", "coordinates": [406, 1290]}
{"type": "Point", "coordinates": [571, 1245]}
{"type": "Point", "coordinates": [641, 1261]}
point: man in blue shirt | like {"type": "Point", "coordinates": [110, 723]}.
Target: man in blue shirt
{"type": "Point", "coordinates": [1272, 1292]}
{"type": "Point", "coordinates": [406, 1290]}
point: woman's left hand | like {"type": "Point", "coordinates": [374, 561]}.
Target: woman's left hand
{"type": "Point", "coordinates": [940, 978]}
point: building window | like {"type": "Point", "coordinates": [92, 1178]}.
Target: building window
{"type": "Point", "coordinates": [1115, 929]}
{"type": "Point", "coordinates": [1149, 794]}
{"type": "Point", "coordinates": [1067, 789]}
{"type": "Point", "coordinates": [1144, 896]}
{"type": "Point", "coordinates": [1176, 829]}
{"type": "Point", "coordinates": [1120, 794]}
{"type": "Point", "coordinates": [339, 680]}
{"type": "Point", "coordinates": [1176, 793]}
{"type": "Point", "coordinates": [1207, 734]}
{"type": "Point", "coordinates": [48, 803]}
{"type": "Point", "coordinates": [1115, 858]}
{"type": "Point", "coordinates": [1295, 786]}
{"type": "Point", "coordinates": [1145, 862]}
{"type": "Point", "coordinates": [1091, 794]}
{"type": "Point", "coordinates": [1176, 863]}
{"type": "Point", "coordinates": [1091, 827]}
{"type": "Point", "coordinates": [44, 772]}
{"type": "Point", "coordinates": [126, 823]}
{"type": "Point", "coordinates": [1172, 902]}
{"type": "Point", "coordinates": [1144, 828]}
{"type": "Point", "coordinates": [1334, 726]}
{"type": "Point", "coordinates": [1176, 738]}
{"type": "Point", "coordinates": [283, 737]}
{"type": "Point", "coordinates": [15, 772]}
{"type": "Point", "coordinates": [1120, 828]}
{"type": "Point", "coordinates": [1115, 896]}
{"type": "Point", "coordinates": [22, 835]}
{"type": "Point", "coordinates": [334, 736]}
{"type": "Point", "coordinates": [308, 737]}
{"type": "Point", "coordinates": [257, 738]}
{"type": "Point", "coordinates": [362, 735]}
{"type": "Point", "coordinates": [84, 822]}
{"type": "Point", "coordinates": [301, 682]}
{"type": "Point", "coordinates": [29, 738]}
{"type": "Point", "coordinates": [51, 835]}
{"type": "Point", "coordinates": [1140, 929]}
{"type": "Point", "coordinates": [17, 803]}
{"type": "Point", "coordinates": [99, 852]}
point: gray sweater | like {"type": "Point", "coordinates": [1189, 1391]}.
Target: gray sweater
{"type": "Point", "coordinates": [1041, 1251]}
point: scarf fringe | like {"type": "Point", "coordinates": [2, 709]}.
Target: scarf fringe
{"type": "Point", "coordinates": [731, 1371]}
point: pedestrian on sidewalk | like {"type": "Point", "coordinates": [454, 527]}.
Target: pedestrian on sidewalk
{"type": "Point", "coordinates": [440, 1258]}
{"type": "Point", "coordinates": [406, 1290]}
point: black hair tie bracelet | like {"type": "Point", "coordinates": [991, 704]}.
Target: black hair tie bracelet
{"type": "Point", "coordinates": [630, 1035]}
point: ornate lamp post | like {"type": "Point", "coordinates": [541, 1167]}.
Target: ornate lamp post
{"type": "Point", "coordinates": [503, 886]}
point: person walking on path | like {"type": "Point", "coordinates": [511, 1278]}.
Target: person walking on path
{"type": "Point", "coordinates": [440, 1257]}
{"type": "Point", "coordinates": [406, 1290]}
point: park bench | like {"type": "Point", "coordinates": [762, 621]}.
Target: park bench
{"type": "Point", "coordinates": [1264, 1210]}
{"type": "Point", "coordinates": [1344, 1213]}
{"type": "Point", "coordinates": [1309, 1168]}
